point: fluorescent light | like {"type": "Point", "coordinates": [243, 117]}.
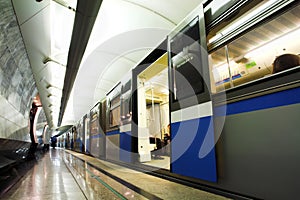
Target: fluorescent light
{"type": "Point", "coordinates": [62, 20]}
{"type": "Point", "coordinates": [241, 20]}
{"type": "Point", "coordinates": [276, 44]}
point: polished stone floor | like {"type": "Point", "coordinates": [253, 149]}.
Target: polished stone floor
{"type": "Point", "coordinates": [48, 179]}
{"type": "Point", "coordinates": [63, 174]}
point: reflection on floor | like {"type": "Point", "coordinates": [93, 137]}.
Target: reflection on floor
{"type": "Point", "coordinates": [63, 174]}
{"type": "Point", "coordinates": [48, 179]}
{"type": "Point", "coordinates": [163, 162]}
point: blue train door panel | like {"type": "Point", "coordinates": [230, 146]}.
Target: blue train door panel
{"type": "Point", "coordinates": [192, 131]}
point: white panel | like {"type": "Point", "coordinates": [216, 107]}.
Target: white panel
{"type": "Point", "coordinates": [176, 116]}
{"type": "Point", "coordinates": [125, 128]}
{"type": "Point", "coordinates": [26, 9]}
{"type": "Point", "coordinates": [193, 112]}
{"type": "Point", "coordinates": [144, 147]}
{"type": "Point", "coordinates": [36, 34]}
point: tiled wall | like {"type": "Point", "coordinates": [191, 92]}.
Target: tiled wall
{"type": "Point", "coordinates": [16, 79]}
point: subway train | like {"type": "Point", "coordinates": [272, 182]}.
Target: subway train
{"type": "Point", "coordinates": [205, 107]}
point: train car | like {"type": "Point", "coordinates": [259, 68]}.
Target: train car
{"type": "Point", "coordinates": [255, 109]}
{"type": "Point", "coordinates": [70, 139]}
{"type": "Point", "coordinates": [60, 141]}
{"type": "Point", "coordinates": [79, 138]}
{"type": "Point", "coordinates": [63, 140]}
{"type": "Point", "coordinates": [75, 137]}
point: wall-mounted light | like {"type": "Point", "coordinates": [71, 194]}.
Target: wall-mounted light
{"type": "Point", "coordinates": [64, 4]}
{"type": "Point", "coordinates": [49, 86]}
{"type": "Point", "coordinates": [47, 60]}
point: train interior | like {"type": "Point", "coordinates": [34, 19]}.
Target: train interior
{"type": "Point", "coordinates": [251, 56]}
{"type": "Point", "coordinates": [153, 100]}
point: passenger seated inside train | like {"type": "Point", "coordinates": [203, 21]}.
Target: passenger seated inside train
{"type": "Point", "coordinates": [285, 61]}
{"type": "Point", "coordinates": [156, 153]}
{"type": "Point", "coordinates": [166, 146]}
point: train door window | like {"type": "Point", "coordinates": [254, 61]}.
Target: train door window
{"type": "Point", "coordinates": [186, 64]}
{"type": "Point", "coordinates": [126, 112]}
{"type": "Point", "coordinates": [153, 100]}
{"type": "Point", "coordinates": [251, 55]}
{"type": "Point", "coordinates": [113, 108]}
{"type": "Point", "coordinates": [94, 124]}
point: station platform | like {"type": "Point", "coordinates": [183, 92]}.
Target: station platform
{"type": "Point", "coordinates": [63, 174]}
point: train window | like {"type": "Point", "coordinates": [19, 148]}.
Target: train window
{"type": "Point", "coordinates": [94, 124]}
{"type": "Point", "coordinates": [114, 113]}
{"type": "Point", "coordinates": [115, 101]}
{"type": "Point", "coordinates": [115, 117]}
{"type": "Point", "coordinates": [251, 56]}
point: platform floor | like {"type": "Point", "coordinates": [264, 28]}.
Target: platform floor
{"type": "Point", "coordinates": [63, 174]}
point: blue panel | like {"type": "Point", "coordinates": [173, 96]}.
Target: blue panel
{"type": "Point", "coordinates": [100, 135]}
{"type": "Point", "coordinates": [193, 149]}
{"type": "Point", "coordinates": [87, 145]}
{"type": "Point", "coordinates": [125, 146]}
{"type": "Point", "coordinates": [81, 146]}
{"type": "Point", "coordinates": [283, 98]}
{"type": "Point", "coordinates": [113, 132]}
{"type": "Point", "coordinates": [79, 141]}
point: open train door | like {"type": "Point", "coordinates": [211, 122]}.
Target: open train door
{"type": "Point", "coordinates": [150, 100]}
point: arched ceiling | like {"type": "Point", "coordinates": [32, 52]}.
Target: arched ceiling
{"type": "Point", "coordinates": [123, 33]}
